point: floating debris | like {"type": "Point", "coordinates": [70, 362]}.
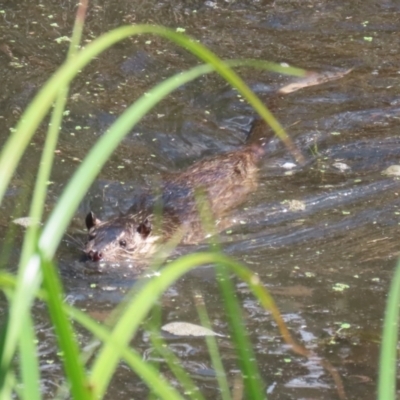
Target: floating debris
{"type": "Point", "coordinates": [341, 166]}
{"type": "Point", "coordinates": [295, 205]}
{"type": "Point", "coordinates": [289, 165]}
{"type": "Point", "coordinates": [188, 329]}
{"type": "Point", "coordinates": [313, 79]}
{"type": "Point", "coordinates": [393, 170]}
{"type": "Point", "coordinates": [340, 287]}
{"type": "Point", "coordinates": [26, 221]}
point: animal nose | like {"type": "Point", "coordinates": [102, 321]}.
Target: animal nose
{"type": "Point", "coordinates": [95, 255]}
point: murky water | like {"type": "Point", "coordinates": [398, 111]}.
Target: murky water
{"type": "Point", "coordinates": [346, 230]}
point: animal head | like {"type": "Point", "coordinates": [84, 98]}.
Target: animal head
{"type": "Point", "coordinates": [125, 237]}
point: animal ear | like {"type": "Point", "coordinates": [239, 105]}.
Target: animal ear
{"type": "Point", "coordinates": [144, 229]}
{"type": "Point", "coordinates": [91, 220]}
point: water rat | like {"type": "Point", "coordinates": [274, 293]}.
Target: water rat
{"type": "Point", "coordinates": [225, 181]}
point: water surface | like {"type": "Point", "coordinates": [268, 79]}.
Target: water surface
{"type": "Point", "coordinates": [346, 231]}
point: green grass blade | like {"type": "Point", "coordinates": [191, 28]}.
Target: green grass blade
{"type": "Point", "coordinates": [248, 364]}
{"type": "Point", "coordinates": [266, 300]}
{"type": "Point", "coordinates": [29, 277]}
{"type": "Point", "coordinates": [30, 372]}
{"type": "Point", "coordinates": [213, 349]}
{"type": "Point", "coordinates": [7, 281]}
{"type": "Point", "coordinates": [152, 325]}
{"type": "Point", "coordinates": [8, 381]}
{"type": "Point", "coordinates": [245, 354]}
{"type": "Point", "coordinates": [27, 284]}
{"type": "Point", "coordinates": [190, 389]}
{"type": "Point", "coordinates": [78, 28]}
{"type": "Point", "coordinates": [6, 370]}
{"type": "Point", "coordinates": [9, 384]}
{"type": "Point", "coordinates": [73, 366]}
{"type": "Point", "coordinates": [23, 296]}
{"type": "Point", "coordinates": [388, 357]}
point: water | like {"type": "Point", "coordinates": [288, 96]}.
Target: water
{"type": "Point", "coordinates": [346, 230]}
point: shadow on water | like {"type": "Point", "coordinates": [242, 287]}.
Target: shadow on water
{"type": "Point", "coordinates": [322, 236]}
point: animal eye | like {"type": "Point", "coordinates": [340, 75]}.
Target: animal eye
{"type": "Point", "coordinates": [122, 243]}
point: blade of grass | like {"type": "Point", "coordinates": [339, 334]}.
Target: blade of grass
{"type": "Point", "coordinates": [153, 324]}
{"type": "Point", "coordinates": [27, 284]}
{"type": "Point", "coordinates": [10, 384]}
{"type": "Point", "coordinates": [388, 357]}
{"type": "Point", "coordinates": [30, 371]}
{"type": "Point", "coordinates": [21, 301]}
{"type": "Point", "coordinates": [269, 304]}
{"type": "Point", "coordinates": [73, 366]}
{"type": "Point", "coordinates": [213, 348]}
{"type": "Point", "coordinates": [246, 358]}
{"type": "Point", "coordinates": [245, 354]}
{"type": "Point", "coordinates": [7, 281]}
{"type": "Point", "coordinates": [174, 364]}
{"type": "Point", "coordinates": [5, 378]}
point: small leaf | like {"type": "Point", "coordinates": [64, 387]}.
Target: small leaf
{"type": "Point", "coordinates": [312, 79]}
{"type": "Point", "coordinates": [188, 329]}
{"type": "Point", "coordinates": [26, 221]}
{"type": "Point", "coordinates": [393, 170]}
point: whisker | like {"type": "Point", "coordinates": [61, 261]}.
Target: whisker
{"type": "Point", "coordinates": [75, 241]}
